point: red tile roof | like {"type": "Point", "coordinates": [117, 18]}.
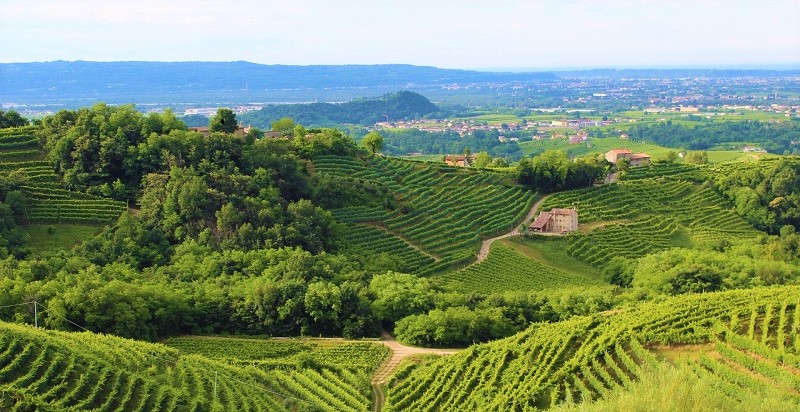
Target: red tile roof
{"type": "Point", "coordinates": [540, 221]}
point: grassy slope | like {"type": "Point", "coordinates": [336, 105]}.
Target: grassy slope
{"type": "Point", "coordinates": [510, 268]}
{"type": "Point", "coordinates": [64, 236]}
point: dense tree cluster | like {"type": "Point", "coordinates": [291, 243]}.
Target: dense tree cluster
{"type": "Point", "coordinates": [552, 171]}
{"type": "Point", "coordinates": [11, 118]}
{"type": "Point", "coordinates": [767, 198]}
{"type": "Point", "coordinates": [401, 105]}
{"type": "Point", "coordinates": [778, 138]}
{"type": "Point", "coordinates": [403, 141]}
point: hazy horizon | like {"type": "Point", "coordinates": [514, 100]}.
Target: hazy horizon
{"type": "Point", "coordinates": [513, 35]}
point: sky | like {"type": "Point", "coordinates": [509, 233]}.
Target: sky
{"type": "Point", "coordinates": [466, 34]}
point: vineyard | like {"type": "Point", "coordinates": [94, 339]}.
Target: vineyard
{"type": "Point", "coordinates": [47, 370]}
{"type": "Point", "coordinates": [444, 211]}
{"type": "Point", "coordinates": [48, 201]}
{"type": "Point", "coordinates": [506, 269]}
{"type": "Point", "coordinates": [756, 346]}
{"type": "Point", "coordinates": [659, 213]}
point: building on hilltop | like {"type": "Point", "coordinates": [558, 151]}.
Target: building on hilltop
{"type": "Point", "coordinates": [459, 160]}
{"type": "Point", "coordinates": [556, 221]}
{"type": "Point", "coordinates": [636, 159]}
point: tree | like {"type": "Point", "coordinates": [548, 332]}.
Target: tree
{"type": "Point", "coordinates": [224, 121]}
{"type": "Point", "coordinates": [284, 125]}
{"type": "Point", "coordinates": [671, 156]}
{"type": "Point", "coordinates": [698, 158]}
{"type": "Point", "coordinates": [483, 159]}
{"type": "Point", "coordinates": [373, 141]}
{"type": "Point", "coordinates": [11, 119]}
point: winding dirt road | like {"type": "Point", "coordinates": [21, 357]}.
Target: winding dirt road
{"type": "Point", "coordinates": [487, 244]}
{"type": "Point", "coordinates": [399, 352]}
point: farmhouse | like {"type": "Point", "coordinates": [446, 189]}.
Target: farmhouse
{"type": "Point", "coordinates": [556, 221]}
{"type": "Point", "coordinates": [459, 160]}
{"type": "Point", "coordinates": [636, 159]}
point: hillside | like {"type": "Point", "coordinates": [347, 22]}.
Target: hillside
{"type": "Point", "coordinates": [747, 343]}
{"type": "Point", "coordinates": [47, 370]}
{"type": "Point", "coordinates": [401, 105]}
{"type": "Point", "coordinates": [441, 212]}
{"type": "Point", "coordinates": [22, 158]}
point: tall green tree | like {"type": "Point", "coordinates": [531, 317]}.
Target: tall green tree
{"type": "Point", "coordinates": [224, 121]}
{"type": "Point", "coordinates": [284, 125]}
{"type": "Point", "coordinates": [373, 141]}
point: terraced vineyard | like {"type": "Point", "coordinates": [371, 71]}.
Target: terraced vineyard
{"type": "Point", "coordinates": [361, 236]}
{"type": "Point", "coordinates": [46, 370]}
{"type": "Point", "coordinates": [586, 358]}
{"type": "Point", "coordinates": [506, 269]}
{"type": "Point", "coordinates": [48, 201]}
{"type": "Point", "coordinates": [661, 213]}
{"type": "Point", "coordinates": [333, 353]}
{"type": "Point", "coordinates": [18, 143]}
{"type": "Point", "coordinates": [445, 211]}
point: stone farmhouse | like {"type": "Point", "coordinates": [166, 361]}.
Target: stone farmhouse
{"type": "Point", "coordinates": [556, 221]}
{"type": "Point", "coordinates": [636, 159]}
{"type": "Point", "coordinates": [459, 160]}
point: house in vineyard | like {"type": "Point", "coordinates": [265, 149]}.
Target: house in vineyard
{"type": "Point", "coordinates": [459, 160]}
{"type": "Point", "coordinates": [556, 221]}
{"type": "Point", "coordinates": [636, 159]}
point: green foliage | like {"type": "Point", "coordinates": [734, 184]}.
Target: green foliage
{"type": "Point", "coordinates": [284, 125]}
{"type": "Point", "coordinates": [445, 211]}
{"type": "Point", "coordinates": [224, 121]}
{"type": "Point", "coordinates": [506, 269]}
{"type": "Point", "coordinates": [398, 295]}
{"type": "Point", "coordinates": [552, 171]}
{"type": "Point", "coordinates": [12, 118]}
{"type": "Point", "coordinates": [691, 271]}
{"type": "Point", "coordinates": [373, 141]}
{"type": "Point", "coordinates": [364, 356]}
{"type": "Point", "coordinates": [58, 371]}
{"type": "Point", "coordinates": [697, 158]}
{"type": "Point", "coordinates": [454, 326]}
{"type": "Point", "coordinates": [776, 137]}
{"type": "Point", "coordinates": [401, 105]}
{"type": "Point", "coordinates": [596, 357]}
{"type": "Point", "coordinates": [766, 193]}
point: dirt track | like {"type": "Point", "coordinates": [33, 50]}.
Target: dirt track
{"type": "Point", "coordinates": [487, 244]}
{"type": "Point", "coordinates": [399, 352]}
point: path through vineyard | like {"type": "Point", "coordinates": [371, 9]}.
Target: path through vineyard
{"type": "Point", "coordinates": [399, 352]}
{"type": "Point", "coordinates": [487, 244]}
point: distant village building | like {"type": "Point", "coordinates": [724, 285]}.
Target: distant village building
{"type": "Point", "coordinates": [556, 221]}
{"type": "Point", "coordinates": [459, 160]}
{"type": "Point", "coordinates": [636, 159]}
{"type": "Point", "coordinates": [578, 138]}
{"type": "Point", "coordinates": [751, 149]}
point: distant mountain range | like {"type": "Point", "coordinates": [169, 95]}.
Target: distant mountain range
{"type": "Point", "coordinates": [138, 82]}
{"type": "Point", "coordinates": [79, 83]}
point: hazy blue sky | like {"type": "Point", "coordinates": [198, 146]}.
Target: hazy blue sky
{"type": "Point", "coordinates": [484, 34]}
